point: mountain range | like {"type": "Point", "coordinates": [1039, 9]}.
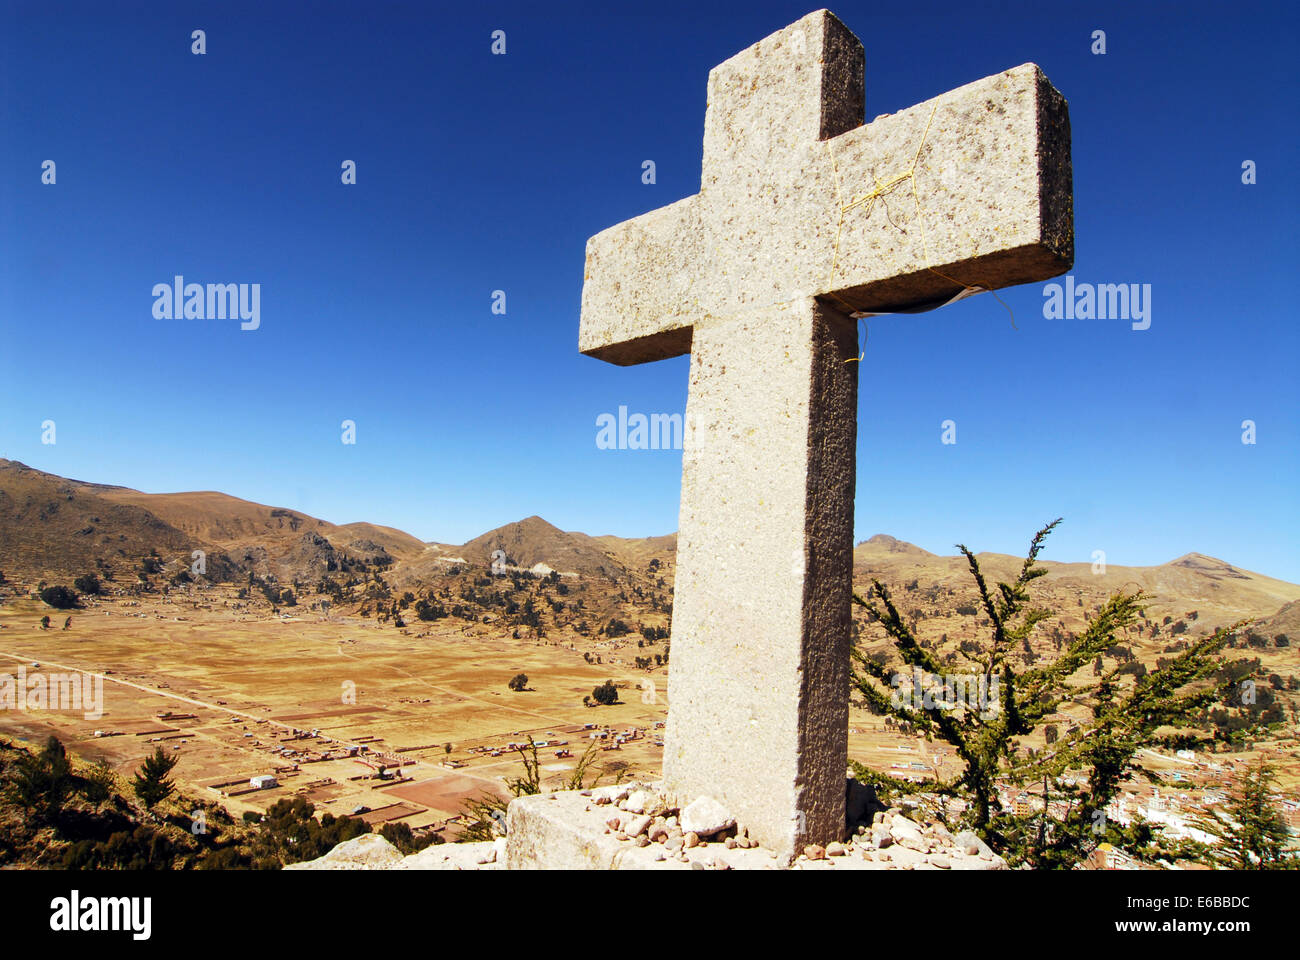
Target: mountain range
{"type": "Point", "coordinates": [52, 527]}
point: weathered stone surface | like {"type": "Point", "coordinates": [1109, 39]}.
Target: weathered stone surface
{"type": "Point", "coordinates": [903, 858]}
{"type": "Point", "coordinates": [758, 688]}
{"type": "Point", "coordinates": [372, 852]}
{"type": "Point", "coordinates": [705, 816]}
{"type": "Point", "coordinates": [648, 802]}
{"type": "Point", "coordinates": [369, 851]}
{"type": "Point", "coordinates": [564, 830]}
{"type": "Point", "coordinates": [969, 843]}
{"type": "Point", "coordinates": [907, 834]}
{"type": "Point", "coordinates": [755, 276]}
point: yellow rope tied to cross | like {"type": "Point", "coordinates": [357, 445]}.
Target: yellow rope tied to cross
{"type": "Point", "coordinates": [879, 192]}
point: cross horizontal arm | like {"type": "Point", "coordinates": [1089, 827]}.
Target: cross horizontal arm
{"type": "Point", "coordinates": [971, 188]}
{"type": "Point", "coordinates": [640, 291]}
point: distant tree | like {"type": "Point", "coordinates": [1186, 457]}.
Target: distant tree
{"type": "Point", "coordinates": [88, 584]}
{"type": "Point", "coordinates": [152, 783]}
{"type": "Point", "coordinates": [59, 597]}
{"type": "Point", "coordinates": [45, 622]}
{"type": "Point", "coordinates": [1251, 831]}
{"type": "Point", "coordinates": [1050, 733]}
{"type": "Point", "coordinates": [404, 839]}
{"type": "Point", "coordinates": [616, 628]}
{"type": "Point", "coordinates": [291, 833]}
{"type": "Point", "coordinates": [427, 610]}
{"type": "Point", "coordinates": [605, 694]}
{"type": "Point", "coordinates": [99, 782]}
{"type": "Point", "coordinates": [40, 782]}
{"type": "Point", "coordinates": [518, 682]}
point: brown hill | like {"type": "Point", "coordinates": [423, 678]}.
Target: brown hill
{"type": "Point", "coordinates": [218, 518]}
{"type": "Point", "coordinates": [1285, 622]}
{"type": "Point", "coordinates": [1218, 591]}
{"type": "Point", "coordinates": [49, 524]}
{"type": "Point", "coordinates": [366, 537]}
{"type": "Point", "coordinates": [269, 541]}
{"type": "Point", "coordinates": [883, 544]}
{"type": "Point", "coordinates": [52, 525]}
{"type": "Point", "coordinates": [639, 554]}
{"type": "Point", "coordinates": [532, 540]}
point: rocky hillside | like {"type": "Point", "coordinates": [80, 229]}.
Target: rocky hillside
{"type": "Point", "coordinates": [52, 527]}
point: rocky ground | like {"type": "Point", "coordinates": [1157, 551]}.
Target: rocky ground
{"type": "Point", "coordinates": [640, 829]}
{"type": "Point", "coordinates": [373, 852]}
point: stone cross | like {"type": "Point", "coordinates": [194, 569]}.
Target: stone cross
{"type": "Point", "coordinates": [806, 218]}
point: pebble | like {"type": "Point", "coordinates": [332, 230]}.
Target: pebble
{"type": "Point", "coordinates": [814, 852]}
{"type": "Point", "coordinates": [834, 849]}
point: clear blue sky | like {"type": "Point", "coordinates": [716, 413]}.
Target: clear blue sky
{"type": "Point", "coordinates": [479, 172]}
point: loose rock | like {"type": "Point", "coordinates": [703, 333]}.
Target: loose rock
{"type": "Point", "coordinates": [704, 817]}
